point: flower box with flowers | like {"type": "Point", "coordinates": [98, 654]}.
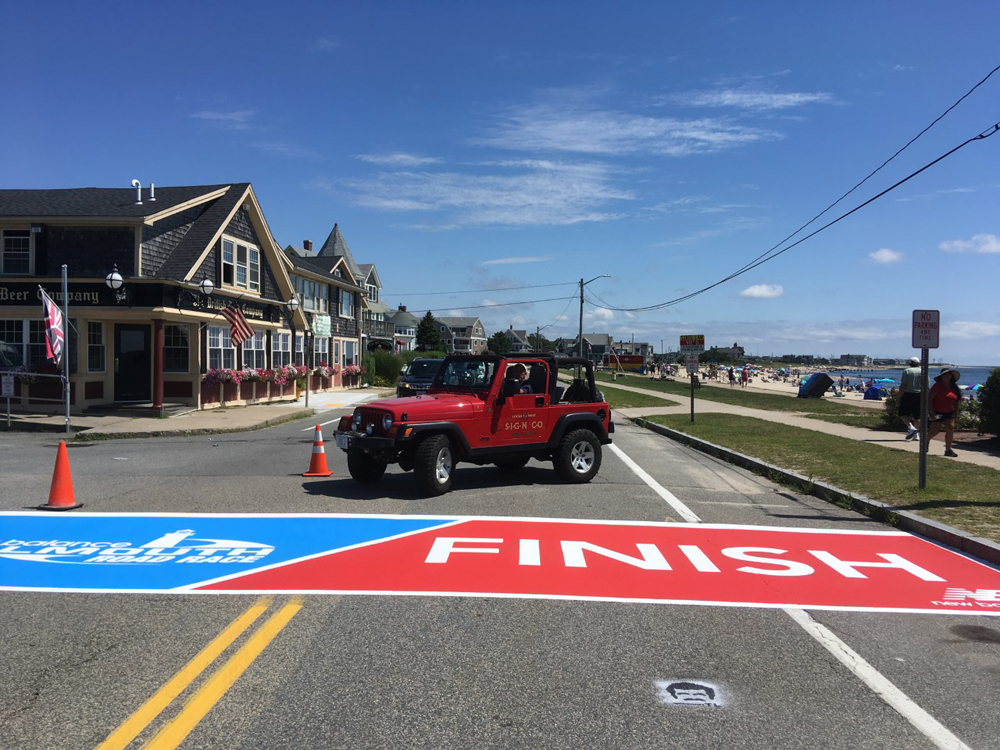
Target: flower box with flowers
{"type": "Point", "coordinates": [352, 375]}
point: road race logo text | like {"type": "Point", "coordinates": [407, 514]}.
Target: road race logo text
{"type": "Point", "coordinates": [177, 546]}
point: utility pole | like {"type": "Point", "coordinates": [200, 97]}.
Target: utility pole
{"type": "Point", "coordinates": [582, 285]}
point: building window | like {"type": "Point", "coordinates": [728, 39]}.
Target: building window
{"type": "Point", "coordinates": [15, 260]}
{"type": "Point", "coordinates": [36, 343]}
{"type": "Point", "coordinates": [176, 348]}
{"type": "Point", "coordinates": [95, 347]}
{"type": "Point", "coordinates": [240, 265]}
{"type": "Point", "coordinates": [349, 353]}
{"type": "Point", "coordinates": [255, 351]}
{"type": "Point", "coordinates": [321, 349]}
{"type": "Point", "coordinates": [336, 353]}
{"type": "Point", "coordinates": [300, 341]}
{"type": "Point", "coordinates": [371, 292]}
{"type": "Point", "coordinates": [221, 352]}
{"type": "Point", "coordinates": [346, 304]}
{"type": "Point", "coordinates": [281, 349]}
{"type": "Point", "coordinates": [11, 343]}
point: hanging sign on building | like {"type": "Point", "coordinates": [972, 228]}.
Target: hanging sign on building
{"type": "Point", "coordinates": [321, 324]}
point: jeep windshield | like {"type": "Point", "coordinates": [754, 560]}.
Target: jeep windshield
{"type": "Point", "coordinates": [475, 375]}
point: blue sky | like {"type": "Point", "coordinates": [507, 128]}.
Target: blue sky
{"type": "Point", "coordinates": [465, 147]}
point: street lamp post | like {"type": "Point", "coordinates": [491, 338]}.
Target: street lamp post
{"type": "Point", "coordinates": [582, 285]}
{"type": "Point", "coordinates": [293, 305]}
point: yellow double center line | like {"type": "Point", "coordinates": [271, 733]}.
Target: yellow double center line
{"type": "Point", "coordinates": [174, 732]}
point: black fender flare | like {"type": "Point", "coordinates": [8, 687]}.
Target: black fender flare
{"type": "Point", "coordinates": [568, 422]}
{"type": "Point", "coordinates": [452, 430]}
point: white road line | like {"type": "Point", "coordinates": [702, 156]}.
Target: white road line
{"type": "Point", "coordinates": [930, 727]}
{"type": "Point", "coordinates": [682, 510]}
{"type": "Point", "coordinates": [321, 424]}
{"type": "Point", "coordinates": [926, 724]}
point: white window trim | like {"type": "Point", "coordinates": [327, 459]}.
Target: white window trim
{"type": "Point", "coordinates": [31, 251]}
{"type": "Point", "coordinates": [104, 346]}
{"type": "Point", "coordinates": [178, 372]}
{"type": "Point", "coordinates": [223, 333]}
{"type": "Point", "coordinates": [237, 265]}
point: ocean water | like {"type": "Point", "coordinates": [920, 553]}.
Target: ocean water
{"type": "Point", "coordinates": [971, 374]}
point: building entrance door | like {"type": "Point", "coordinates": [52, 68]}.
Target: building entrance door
{"type": "Point", "coordinates": [132, 362]}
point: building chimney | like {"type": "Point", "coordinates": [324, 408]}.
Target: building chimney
{"type": "Point", "coordinates": [307, 245]}
{"type": "Point", "coordinates": [402, 308]}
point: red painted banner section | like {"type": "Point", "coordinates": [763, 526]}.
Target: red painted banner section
{"type": "Point", "coordinates": [669, 563]}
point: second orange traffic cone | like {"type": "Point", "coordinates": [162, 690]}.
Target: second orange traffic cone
{"type": "Point", "coordinates": [61, 492]}
{"type": "Point", "coordinates": [317, 465]}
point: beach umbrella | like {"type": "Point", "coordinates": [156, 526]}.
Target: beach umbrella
{"type": "Point", "coordinates": [885, 380]}
{"type": "Point", "coordinates": [976, 387]}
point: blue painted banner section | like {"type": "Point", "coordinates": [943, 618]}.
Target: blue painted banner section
{"type": "Point", "coordinates": [158, 553]}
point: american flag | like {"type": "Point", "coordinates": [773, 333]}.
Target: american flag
{"type": "Point", "coordinates": [54, 337]}
{"type": "Point", "coordinates": [239, 328]}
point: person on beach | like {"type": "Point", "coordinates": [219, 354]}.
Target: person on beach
{"type": "Point", "coordinates": [732, 378]}
{"type": "Point", "coordinates": [744, 378]}
{"type": "Point", "coordinates": [944, 397]}
{"type": "Point", "coordinates": [909, 398]}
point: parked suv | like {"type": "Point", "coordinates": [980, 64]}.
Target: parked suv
{"type": "Point", "coordinates": [476, 411]}
{"type": "Point", "coordinates": [417, 376]}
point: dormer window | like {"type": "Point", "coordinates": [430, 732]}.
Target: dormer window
{"type": "Point", "coordinates": [240, 265]}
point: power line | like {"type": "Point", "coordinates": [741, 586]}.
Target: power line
{"type": "Point", "coordinates": [765, 257]}
{"type": "Point", "coordinates": [501, 304]}
{"type": "Point", "coordinates": [477, 291]}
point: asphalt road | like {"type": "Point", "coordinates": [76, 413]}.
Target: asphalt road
{"type": "Point", "coordinates": [383, 671]}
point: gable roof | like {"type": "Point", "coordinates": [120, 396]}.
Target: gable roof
{"type": "Point", "coordinates": [336, 246]}
{"type": "Point", "coordinates": [203, 230]}
{"type": "Point", "coordinates": [458, 322]}
{"type": "Point", "coordinates": [90, 202]}
{"type": "Point", "coordinates": [326, 268]}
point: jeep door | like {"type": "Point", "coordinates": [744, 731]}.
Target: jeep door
{"type": "Point", "coordinates": [523, 418]}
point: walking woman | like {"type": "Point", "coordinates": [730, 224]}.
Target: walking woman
{"type": "Point", "coordinates": [945, 398]}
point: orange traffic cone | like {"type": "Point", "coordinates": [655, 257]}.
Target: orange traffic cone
{"type": "Point", "coordinates": [61, 491]}
{"type": "Point", "coordinates": [317, 466]}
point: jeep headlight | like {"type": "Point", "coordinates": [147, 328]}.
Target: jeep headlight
{"type": "Point", "coordinates": [386, 422]}
{"type": "Point", "coordinates": [357, 420]}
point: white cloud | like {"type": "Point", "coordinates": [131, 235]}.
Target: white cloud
{"type": "Point", "coordinates": [325, 44]}
{"type": "Point", "coordinates": [398, 159]}
{"type": "Point", "coordinates": [235, 120]}
{"type": "Point", "coordinates": [763, 291]}
{"type": "Point", "coordinates": [524, 193]}
{"type": "Point", "coordinates": [980, 243]}
{"type": "Point", "coordinates": [969, 329]}
{"type": "Point", "coordinates": [886, 256]}
{"type": "Point", "coordinates": [599, 314]}
{"type": "Point", "coordinates": [555, 127]}
{"type": "Point", "coordinates": [525, 259]}
{"type": "Point", "coordinates": [755, 100]}
{"type": "Point", "coordinates": [283, 148]}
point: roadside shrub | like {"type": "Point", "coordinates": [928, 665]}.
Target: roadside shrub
{"type": "Point", "coordinates": [382, 367]}
{"type": "Point", "coordinates": [408, 357]}
{"type": "Point", "coordinates": [968, 415]}
{"type": "Point", "coordinates": [890, 412]}
{"type": "Point", "coordinates": [989, 404]}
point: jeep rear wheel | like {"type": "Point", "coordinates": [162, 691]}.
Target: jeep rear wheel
{"type": "Point", "coordinates": [578, 457]}
{"type": "Point", "coordinates": [363, 467]}
{"type": "Point", "coordinates": [511, 464]}
{"type": "Point", "coordinates": [433, 465]}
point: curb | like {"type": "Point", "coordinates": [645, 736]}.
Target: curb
{"type": "Point", "coordinates": [88, 436]}
{"type": "Point", "coordinates": [963, 541]}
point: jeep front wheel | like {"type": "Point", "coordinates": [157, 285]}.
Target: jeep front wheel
{"type": "Point", "coordinates": [363, 467]}
{"type": "Point", "coordinates": [433, 465]}
{"type": "Point", "coordinates": [578, 457]}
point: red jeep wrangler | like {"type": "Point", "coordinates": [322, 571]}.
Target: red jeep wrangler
{"type": "Point", "coordinates": [477, 410]}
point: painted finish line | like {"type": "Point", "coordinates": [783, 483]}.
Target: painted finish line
{"type": "Point", "coordinates": [705, 564]}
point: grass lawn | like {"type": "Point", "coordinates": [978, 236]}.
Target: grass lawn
{"type": "Point", "coordinates": [620, 399]}
{"type": "Point", "coordinates": [871, 420]}
{"type": "Point", "coordinates": [740, 397]}
{"type": "Point", "coordinates": [958, 494]}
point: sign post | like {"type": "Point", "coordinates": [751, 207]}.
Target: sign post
{"type": "Point", "coordinates": [692, 345]}
{"type": "Point", "coordinates": [926, 330]}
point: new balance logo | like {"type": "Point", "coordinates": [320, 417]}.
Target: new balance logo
{"type": "Point", "coordinates": [979, 595]}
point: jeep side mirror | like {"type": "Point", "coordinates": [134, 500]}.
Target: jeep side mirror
{"type": "Point", "coordinates": [510, 388]}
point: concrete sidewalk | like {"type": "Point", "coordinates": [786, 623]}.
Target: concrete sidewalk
{"type": "Point", "coordinates": [672, 405]}
{"type": "Point", "coordinates": [196, 422]}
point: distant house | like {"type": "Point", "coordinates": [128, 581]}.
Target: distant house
{"type": "Point", "coordinates": [404, 325]}
{"type": "Point", "coordinates": [855, 360]}
{"type": "Point", "coordinates": [462, 335]}
{"type": "Point", "coordinates": [518, 340]}
{"type": "Point", "coordinates": [595, 346]}
{"type": "Point", "coordinates": [734, 352]}
{"type": "Point", "coordinates": [635, 348]}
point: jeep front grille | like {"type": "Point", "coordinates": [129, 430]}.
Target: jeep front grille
{"type": "Point", "coordinates": [374, 418]}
